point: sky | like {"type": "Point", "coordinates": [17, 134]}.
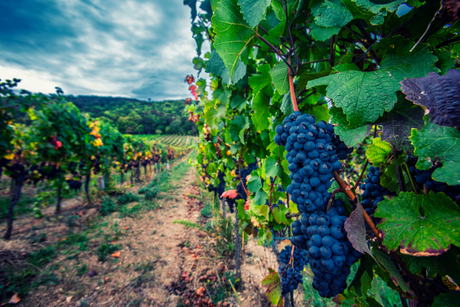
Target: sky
{"type": "Point", "coordinates": [130, 48]}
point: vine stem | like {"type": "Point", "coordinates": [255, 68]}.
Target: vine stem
{"type": "Point", "coordinates": [291, 85]}
{"type": "Point", "coordinates": [239, 174]}
{"type": "Point", "coordinates": [331, 199]}
{"type": "Point", "coordinates": [346, 189]}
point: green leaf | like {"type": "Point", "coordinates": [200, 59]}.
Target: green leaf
{"type": "Point", "coordinates": [320, 112]}
{"type": "Point", "coordinates": [265, 211]}
{"type": "Point", "coordinates": [238, 103]}
{"type": "Point", "coordinates": [217, 67]}
{"type": "Point", "coordinates": [234, 36]}
{"type": "Point", "coordinates": [366, 283]}
{"type": "Point", "coordinates": [332, 15]}
{"type": "Point", "coordinates": [447, 300]}
{"type": "Point", "coordinates": [429, 233]}
{"type": "Point", "coordinates": [253, 10]}
{"type": "Point", "coordinates": [271, 169]}
{"type": "Point", "coordinates": [273, 284]}
{"type": "Point", "coordinates": [441, 142]}
{"type": "Point", "coordinates": [280, 215]}
{"type": "Point", "coordinates": [364, 96]}
{"type": "Point", "coordinates": [260, 80]}
{"type": "Point", "coordinates": [261, 115]}
{"type": "Point", "coordinates": [280, 78]}
{"type": "Point", "coordinates": [260, 198]}
{"type": "Point", "coordinates": [389, 179]}
{"type": "Point", "coordinates": [237, 128]}
{"type": "Point", "coordinates": [286, 105]}
{"type": "Point", "coordinates": [445, 264]}
{"type": "Point", "coordinates": [351, 137]}
{"type": "Point", "coordinates": [378, 151]}
{"type": "Point", "coordinates": [241, 211]}
{"type": "Point", "coordinates": [386, 262]}
{"type": "Point", "coordinates": [445, 62]}
{"type": "Point", "coordinates": [322, 33]}
{"type": "Point", "coordinates": [254, 184]}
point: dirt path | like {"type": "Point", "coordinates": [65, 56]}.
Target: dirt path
{"type": "Point", "coordinates": [153, 261]}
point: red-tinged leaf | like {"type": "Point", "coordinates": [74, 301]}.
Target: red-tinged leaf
{"type": "Point", "coordinates": [273, 284]}
{"type": "Point", "coordinates": [356, 230]}
{"type": "Point", "coordinates": [229, 194]}
{"type": "Point", "coordinates": [116, 254]}
{"type": "Point", "coordinates": [189, 79]}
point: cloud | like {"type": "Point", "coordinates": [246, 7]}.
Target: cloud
{"type": "Point", "coordinates": [132, 48]}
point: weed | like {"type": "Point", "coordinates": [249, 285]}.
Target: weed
{"type": "Point", "coordinates": [127, 198]}
{"type": "Point", "coordinates": [107, 206]}
{"type": "Point", "coordinates": [206, 212]}
{"type": "Point", "coordinates": [189, 224]}
{"type": "Point", "coordinates": [82, 270]}
{"type": "Point", "coordinates": [42, 256]}
{"type": "Point", "coordinates": [107, 248]}
{"type": "Point", "coordinates": [72, 221]}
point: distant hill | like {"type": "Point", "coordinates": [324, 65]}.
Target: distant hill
{"type": "Point", "coordinates": [134, 116]}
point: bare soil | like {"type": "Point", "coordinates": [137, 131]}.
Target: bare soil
{"type": "Point", "coordinates": [158, 263]}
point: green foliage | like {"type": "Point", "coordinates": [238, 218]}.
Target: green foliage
{"type": "Point", "coordinates": [128, 198]}
{"type": "Point", "coordinates": [107, 206]}
{"type": "Point", "coordinates": [440, 142]}
{"type": "Point", "coordinates": [420, 225]}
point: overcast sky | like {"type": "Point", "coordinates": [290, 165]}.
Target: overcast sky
{"type": "Point", "coordinates": [132, 48]}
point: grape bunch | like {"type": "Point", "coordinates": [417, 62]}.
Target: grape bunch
{"type": "Point", "coordinates": [314, 151]}
{"type": "Point", "coordinates": [330, 253]}
{"type": "Point", "coordinates": [74, 184]}
{"type": "Point", "coordinates": [299, 259]}
{"type": "Point", "coordinates": [221, 187]}
{"type": "Point", "coordinates": [425, 177]}
{"type": "Point", "coordinates": [373, 191]}
{"type": "Point", "coordinates": [244, 173]}
{"type": "Point", "coordinates": [290, 272]}
{"type": "Point", "coordinates": [290, 279]}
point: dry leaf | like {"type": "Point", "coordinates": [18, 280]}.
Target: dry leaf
{"type": "Point", "coordinates": [68, 299]}
{"type": "Point", "coordinates": [14, 299]}
{"type": "Point", "coordinates": [283, 244]}
{"type": "Point", "coordinates": [116, 254]}
{"type": "Point", "coordinates": [126, 228]}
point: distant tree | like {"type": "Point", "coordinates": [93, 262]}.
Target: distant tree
{"type": "Point", "coordinates": [158, 131]}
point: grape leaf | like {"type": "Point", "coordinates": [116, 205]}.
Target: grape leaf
{"type": "Point", "coordinates": [364, 96]}
{"type": "Point", "coordinates": [280, 78]}
{"type": "Point", "coordinates": [440, 142]}
{"type": "Point", "coordinates": [384, 260]}
{"type": "Point", "coordinates": [280, 215]}
{"type": "Point", "coordinates": [356, 230]}
{"type": "Point", "coordinates": [351, 137]}
{"type": "Point", "coordinates": [260, 80]}
{"type": "Point", "coordinates": [445, 264]}
{"type": "Point", "coordinates": [332, 15]}
{"type": "Point", "coordinates": [259, 199]}
{"type": "Point", "coordinates": [439, 95]}
{"type": "Point", "coordinates": [273, 284]}
{"type": "Point", "coordinates": [271, 168]}
{"type": "Point", "coordinates": [447, 300]}
{"type": "Point", "coordinates": [253, 10]}
{"type": "Point", "coordinates": [398, 123]}
{"type": "Point", "coordinates": [375, 7]}
{"type": "Point", "coordinates": [233, 35]}
{"type": "Point", "coordinates": [378, 151]}
{"type": "Point", "coordinates": [237, 128]}
{"type": "Point", "coordinates": [286, 105]}
{"type": "Point", "coordinates": [261, 107]}
{"type": "Point", "coordinates": [254, 184]}
{"type": "Point", "coordinates": [419, 234]}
